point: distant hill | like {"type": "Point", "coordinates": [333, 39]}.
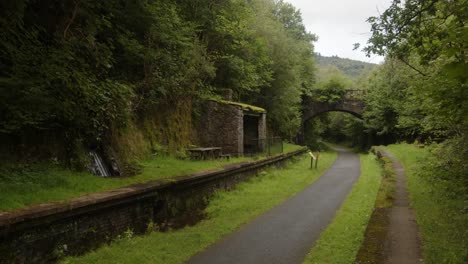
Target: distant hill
{"type": "Point", "coordinates": [351, 68]}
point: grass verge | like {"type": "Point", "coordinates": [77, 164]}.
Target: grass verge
{"type": "Point", "coordinates": [288, 147]}
{"type": "Point", "coordinates": [226, 212]}
{"type": "Point", "coordinates": [442, 218]}
{"type": "Point", "coordinates": [340, 242]}
{"type": "Point", "coordinates": [372, 247]}
{"type": "Point", "coordinates": [29, 184]}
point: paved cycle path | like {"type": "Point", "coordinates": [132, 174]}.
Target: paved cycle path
{"type": "Point", "coordinates": [286, 233]}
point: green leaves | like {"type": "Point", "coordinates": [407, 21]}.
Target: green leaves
{"type": "Point", "coordinates": [86, 66]}
{"type": "Point", "coordinates": [430, 92]}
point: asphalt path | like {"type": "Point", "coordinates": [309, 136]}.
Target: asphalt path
{"type": "Point", "coordinates": [286, 233]}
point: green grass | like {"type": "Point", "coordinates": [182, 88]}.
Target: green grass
{"type": "Point", "coordinates": [340, 242]}
{"type": "Point", "coordinates": [226, 212]}
{"type": "Point", "coordinates": [30, 184]}
{"type": "Point", "coordinates": [442, 219]}
{"type": "Point", "coordinates": [24, 185]}
{"type": "Point", "coordinates": [288, 147]}
{"type": "Point", "coordinates": [386, 193]}
{"type": "Point", "coordinates": [36, 183]}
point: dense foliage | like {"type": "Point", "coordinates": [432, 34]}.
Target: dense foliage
{"type": "Point", "coordinates": [89, 68]}
{"type": "Point", "coordinates": [425, 44]}
{"type": "Point", "coordinates": [421, 93]}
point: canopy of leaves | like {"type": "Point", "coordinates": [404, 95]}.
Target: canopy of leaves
{"type": "Point", "coordinates": [421, 90]}
{"type": "Point", "coordinates": [83, 66]}
{"type": "Point", "coordinates": [430, 38]}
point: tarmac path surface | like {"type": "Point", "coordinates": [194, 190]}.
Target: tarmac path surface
{"type": "Point", "coordinates": [286, 233]}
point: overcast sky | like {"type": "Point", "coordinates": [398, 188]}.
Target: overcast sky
{"type": "Point", "coordinates": [339, 24]}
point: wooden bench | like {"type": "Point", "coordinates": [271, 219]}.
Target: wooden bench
{"type": "Point", "coordinates": [205, 153]}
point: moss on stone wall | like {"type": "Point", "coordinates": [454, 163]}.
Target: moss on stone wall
{"type": "Point", "coordinates": [245, 107]}
{"type": "Point", "coordinates": [169, 127]}
{"type": "Point", "coordinates": [164, 128]}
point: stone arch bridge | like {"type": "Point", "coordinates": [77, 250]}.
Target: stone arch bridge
{"type": "Point", "coordinates": [351, 102]}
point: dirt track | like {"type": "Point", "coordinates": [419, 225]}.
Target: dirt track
{"type": "Point", "coordinates": [402, 245]}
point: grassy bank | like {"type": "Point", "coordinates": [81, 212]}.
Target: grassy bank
{"type": "Point", "coordinates": [442, 218]}
{"type": "Point", "coordinates": [340, 242]}
{"type": "Point", "coordinates": [226, 212]}
{"type": "Point", "coordinates": [35, 183]}
{"type": "Point", "coordinates": [28, 184]}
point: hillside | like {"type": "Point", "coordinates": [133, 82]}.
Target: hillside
{"type": "Point", "coordinates": [351, 68]}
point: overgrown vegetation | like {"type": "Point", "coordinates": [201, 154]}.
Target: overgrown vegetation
{"type": "Point", "coordinates": [439, 203]}
{"type": "Point", "coordinates": [340, 242]}
{"type": "Point", "coordinates": [226, 212]}
{"type": "Point", "coordinates": [85, 73]}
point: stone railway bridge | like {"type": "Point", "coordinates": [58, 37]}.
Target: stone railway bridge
{"type": "Point", "coordinates": [351, 103]}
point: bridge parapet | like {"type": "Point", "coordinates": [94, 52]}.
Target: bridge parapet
{"type": "Point", "coordinates": [354, 94]}
{"type": "Point", "coordinates": [351, 102]}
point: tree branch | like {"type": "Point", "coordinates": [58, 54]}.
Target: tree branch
{"type": "Point", "coordinates": [412, 67]}
{"type": "Point", "coordinates": [70, 21]}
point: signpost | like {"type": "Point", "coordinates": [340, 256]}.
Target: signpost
{"type": "Point", "coordinates": [312, 158]}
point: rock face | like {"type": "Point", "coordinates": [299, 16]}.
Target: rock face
{"type": "Point", "coordinates": [222, 124]}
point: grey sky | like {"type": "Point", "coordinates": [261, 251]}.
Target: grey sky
{"type": "Point", "coordinates": [339, 24]}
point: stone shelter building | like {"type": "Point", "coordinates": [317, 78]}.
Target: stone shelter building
{"type": "Point", "coordinates": [235, 127]}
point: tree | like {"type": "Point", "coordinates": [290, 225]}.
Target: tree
{"type": "Point", "coordinates": [430, 38]}
{"type": "Point", "coordinates": [428, 99]}
{"type": "Point", "coordinates": [291, 54]}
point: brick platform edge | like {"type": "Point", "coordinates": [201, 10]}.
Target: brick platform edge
{"type": "Point", "coordinates": [46, 232]}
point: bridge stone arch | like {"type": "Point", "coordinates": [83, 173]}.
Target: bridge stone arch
{"type": "Point", "coordinates": [351, 103]}
{"type": "Point", "coordinates": [313, 109]}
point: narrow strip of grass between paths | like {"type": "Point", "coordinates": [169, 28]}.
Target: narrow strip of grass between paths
{"type": "Point", "coordinates": [226, 212]}
{"type": "Point", "coordinates": [340, 242]}
{"type": "Point", "coordinates": [442, 218]}
{"type": "Point", "coordinates": [28, 184]}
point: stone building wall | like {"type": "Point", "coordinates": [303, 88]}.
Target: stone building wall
{"type": "Point", "coordinates": [262, 134]}
{"type": "Point", "coordinates": [221, 125]}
